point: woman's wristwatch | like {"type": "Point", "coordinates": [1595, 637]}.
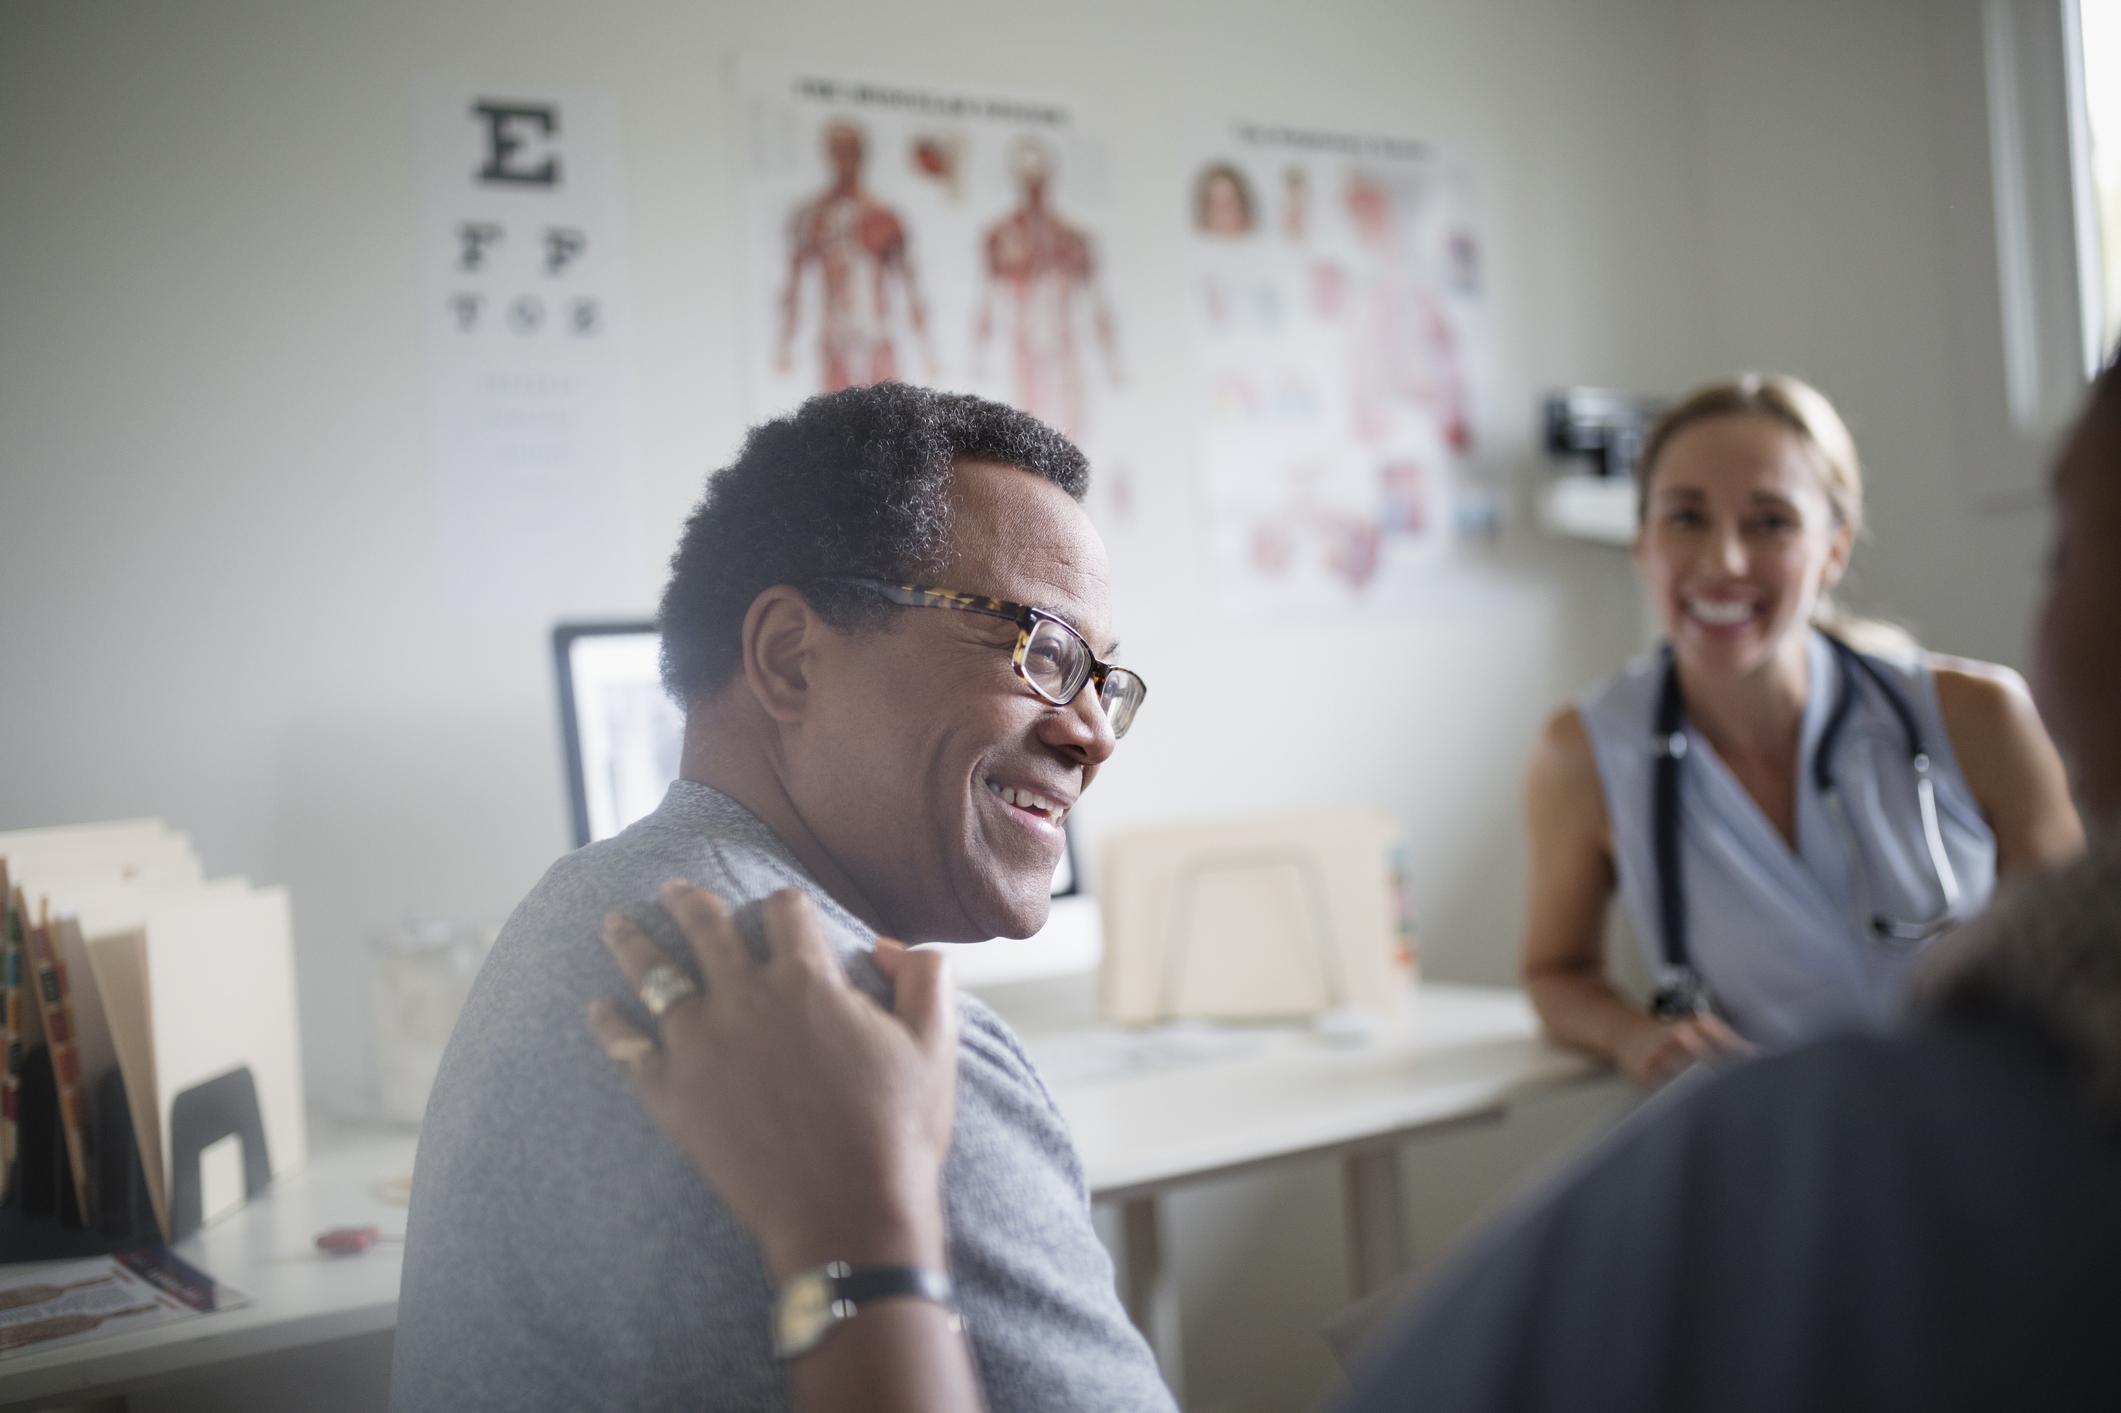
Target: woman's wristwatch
{"type": "Point", "coordinates": [815, 1302]}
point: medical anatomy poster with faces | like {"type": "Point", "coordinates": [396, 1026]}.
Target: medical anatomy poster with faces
{"type": "Point", "coordinates": [522, 249]}
{"type": "Point", "coordinates": [949, 236]}
{"type": "Point", "coordinates": [1335, 286]}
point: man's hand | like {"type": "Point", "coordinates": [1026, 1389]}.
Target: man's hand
{"type": "Point", "coordinates": [821, 1119]}
{"type": "Point", "coordinates": [1653, 1052]}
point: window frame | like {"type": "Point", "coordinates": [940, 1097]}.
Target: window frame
{"type": "Point", "coordinates": [2044, 208]}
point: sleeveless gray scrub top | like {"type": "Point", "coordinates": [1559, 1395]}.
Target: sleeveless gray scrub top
{"type": "Point", "coordinates": [1773, 932]}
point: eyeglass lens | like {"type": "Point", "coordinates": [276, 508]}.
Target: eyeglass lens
{"type": "Point", "coordinates": [1058, 663]}
{"type": "Point", "coordinates": [1122, 694]}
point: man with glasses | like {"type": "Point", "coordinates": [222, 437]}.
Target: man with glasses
{"type": "Point", "coordinates": [890, 624]}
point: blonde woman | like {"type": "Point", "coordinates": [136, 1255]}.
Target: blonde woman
{"type": "Point", "coordinates": [1792, 805]}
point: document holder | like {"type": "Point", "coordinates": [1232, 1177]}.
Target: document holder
{"type": "Point", "coordinates": [203, 1115]}
{"type": "Point", "coordinates": [41, 1220]}
{"type": "Point", "coordinates": [1274, 917]}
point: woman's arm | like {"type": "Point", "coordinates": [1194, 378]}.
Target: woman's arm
{"type": "Point", "coordinates": [1572, 878]}
{"type": "Point", "coordinates": [820, 1119]}
{"type": "Point", "coordinates": [2010, 763]}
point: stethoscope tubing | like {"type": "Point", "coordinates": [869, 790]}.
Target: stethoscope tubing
{"type": "Point", "coordinates": [1681, 991]}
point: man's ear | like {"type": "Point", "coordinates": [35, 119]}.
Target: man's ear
{"type": "Point", "coordinates": [782, 633]}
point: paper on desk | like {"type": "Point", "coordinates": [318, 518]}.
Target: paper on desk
{"type": "Point", "coordinates": [196, 983]}
{"type": "Point", "coordinates": [101, 1021]}
{"type": "Point", "coordinates": [55, 1004]}
{"type": "Point", "coordinates": [92, 1042]}
{"type": "Point", "coordinates": [67, 831]}
{"type": "Point", "coordinates": [72, 1301]}
{"type": "Point", "coordinates": [100, 834]}
{"type": "Point", "coordinates": [133, 852]}
{"type": "Point", "coordinates": [48, 865]}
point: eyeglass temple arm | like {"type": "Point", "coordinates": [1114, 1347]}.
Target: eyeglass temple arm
{"type": "Point", "coordinates": [911, 597]}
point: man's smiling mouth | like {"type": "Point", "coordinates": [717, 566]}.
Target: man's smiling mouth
{"type": "Point", "coordinates": [1028, 800]}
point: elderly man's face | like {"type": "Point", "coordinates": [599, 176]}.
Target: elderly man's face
{"type": "Point", "coordinates": [920, 728]}
{"type": "Point", "coordinates": [2077, 673]}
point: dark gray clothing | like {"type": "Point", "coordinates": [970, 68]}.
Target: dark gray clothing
{"type": "Point", "coordinates": [563, 1255]}
{"type": "Point", "coordinates": [1924, 1220]}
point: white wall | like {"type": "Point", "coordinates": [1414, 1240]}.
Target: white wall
{"type": "Point", "coordinates": [219, 567]}
{"type": "Point", "coordinates": [1842, 164]}
{"type": "Point", "coordinates": [218, 556]}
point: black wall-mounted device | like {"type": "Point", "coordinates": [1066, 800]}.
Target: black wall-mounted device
{"type": "Point", "coordinates": [1606, 428]}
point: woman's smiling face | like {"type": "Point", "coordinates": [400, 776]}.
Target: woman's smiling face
{"type": "Point", "coordinates": [1738, 542]}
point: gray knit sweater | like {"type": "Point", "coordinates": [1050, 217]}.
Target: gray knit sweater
{"type": "Point", "coordinates": [561, 1253]}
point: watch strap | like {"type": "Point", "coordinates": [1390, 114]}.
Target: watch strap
{"type": "Point", "coordinates": [816, 1301]}
{"type": "Point", "coordinates": [884, 1282]}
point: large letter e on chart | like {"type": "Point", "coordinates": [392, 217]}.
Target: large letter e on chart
{"type": "Point", "coordinates": [511, 128]}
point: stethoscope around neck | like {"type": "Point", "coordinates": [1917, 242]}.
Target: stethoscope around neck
{"type": "Point", "coordinates": [1680, 992]}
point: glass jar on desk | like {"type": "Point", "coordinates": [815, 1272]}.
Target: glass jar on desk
{"type": "Point", "coordinates": [421, 971]}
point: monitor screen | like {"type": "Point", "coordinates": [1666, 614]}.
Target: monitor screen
{"type": "Point", "coordinates": [623, 735]}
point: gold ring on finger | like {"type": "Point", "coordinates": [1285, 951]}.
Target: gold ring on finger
{"type": "Point", "coordinates": [663, 986]}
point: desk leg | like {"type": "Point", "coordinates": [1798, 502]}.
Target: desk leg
{"type": "Point", "coordinates": [1377, 1220]}
{"type": "Point", "coordinates": [1149, 1286]}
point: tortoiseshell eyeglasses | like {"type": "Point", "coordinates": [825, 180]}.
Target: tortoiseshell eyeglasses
{"type": "Point", "coordinates": [1050, 656]}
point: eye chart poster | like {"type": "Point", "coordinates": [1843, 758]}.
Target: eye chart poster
{"type": "Point", "coordinates": [522, 245]}
{"type": "Point", "coordinates": [1335, 288]}
{"type": "Point", "coordinates": [951, 236]}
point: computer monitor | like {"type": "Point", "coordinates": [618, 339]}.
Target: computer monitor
{"type": "Point", "coordinates": [622, 732]}
{"type": "Point", "coordinates": [623, 735]}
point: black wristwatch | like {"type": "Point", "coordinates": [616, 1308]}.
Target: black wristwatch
{"type": "Point", "coordinates": [815, 1302]}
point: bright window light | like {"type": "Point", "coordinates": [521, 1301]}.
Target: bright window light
{"type": "Point", "coordinates": [2099, 44]}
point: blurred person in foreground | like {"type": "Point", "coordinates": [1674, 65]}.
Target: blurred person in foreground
{"type": "Point", "coordinates": [1922, 1218]}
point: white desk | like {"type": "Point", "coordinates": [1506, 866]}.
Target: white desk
{"type": "Point", "coordinates": [1464, 1055]}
